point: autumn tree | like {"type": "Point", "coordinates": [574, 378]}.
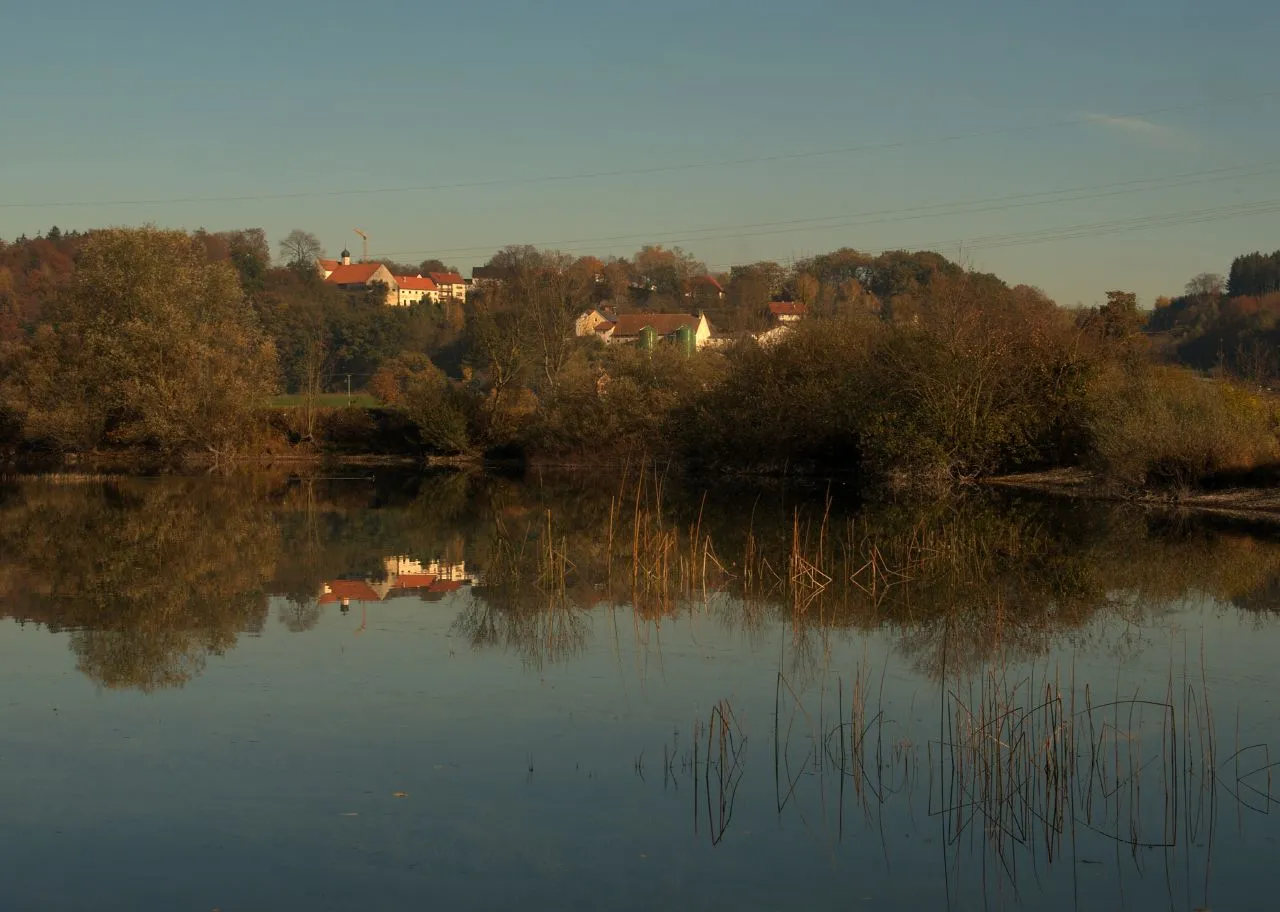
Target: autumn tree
{"type": "Point", "coordinates": [154, 346]}
{"type": "Point", "coordinates": [398, 375]}
{"type": "Point", "coordinates": [666, 271]}
{"type": "Point", "coordinates": [754, 285]}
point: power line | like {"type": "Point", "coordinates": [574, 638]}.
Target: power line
{"type": "Point", "coordinates": [901, 214]}
{"type": "Point", "coordinates": [656, 169]}
{"type": "Point", "coordinates": [1080, 231]}
{"type": "Point", "coordinates": [1098, 229]}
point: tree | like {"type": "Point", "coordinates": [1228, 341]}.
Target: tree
{"type": "Point", "coordinates": [398, 375]}
{"type": "Point", "coordinates": [1119, 316]}
{"type": "Point", "coordinates": [1206, 285]}
{"type": "Point", "coordinates": [1254, 274]}
{"type": "Point", "coordinates": [666, 271]}
{"type": "Point", "coordinates": [300, 249]}
{"type": "Point", "coordinates": [315, 363]}
{"type": "Point", "coordinates": [499, 349]}
{"type": "Point", "coordinates": [753, 286]}
{"type": "Point", "coordinates": [164, 345]}
{"type": "Point", "coordinates": [549, 304]}
{"type": "Point", "coordinates": [517, 256]}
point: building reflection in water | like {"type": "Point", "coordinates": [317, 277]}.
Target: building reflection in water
{"type": "Point", "coordinates": [403, 577]}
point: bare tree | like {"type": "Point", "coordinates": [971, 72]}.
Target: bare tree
{"type": "Point", "coordinates": [1206, 285]}
{"type": "Point", "coordinates": [301, 248]}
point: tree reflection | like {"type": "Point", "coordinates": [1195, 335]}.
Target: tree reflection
{"type": "Point", "coordinates": [299, 615]}
{"type": "Point", "coordinates": [151, 577]}
{"type": "Point", "coordinates": [154, 576]}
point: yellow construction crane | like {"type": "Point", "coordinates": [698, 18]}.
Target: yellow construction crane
{"type": "Point", "coordinates": [365, 240]}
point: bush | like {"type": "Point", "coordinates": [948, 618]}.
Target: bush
{"type": "Point", "coordinates": [1165, 426]}
{"type": "Point", "coordinates": [444, 413]}
{"type": "Point", "coordinates": [347, 428]}
{"type": "Point", "coordinates": [620, 402]}
{"type": "Point", "coordinates": [799, 400]}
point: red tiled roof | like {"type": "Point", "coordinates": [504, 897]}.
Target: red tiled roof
{"type": "Point", "coordinates": [330, 265]}
{"type": "Point", "coordinates": [348, 590]}
{"type": "Point", "coordinates": [662, 324]}
{"type": "Point", "coordinates": [415, 283]}
{"type": "Point", "coordinates": [708, 280]}
{"type": "Point", "coordinates": [788, 308]}
{"type": "Point", "coordinates": [447, 278]}
{"type": "Point", "coordinates": [354, 274]}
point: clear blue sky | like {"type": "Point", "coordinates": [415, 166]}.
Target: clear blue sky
{"type": "Point", "coordinates": [151, 100]}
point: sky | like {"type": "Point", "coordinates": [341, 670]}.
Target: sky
{"type": "Point", "coordinates": [1077, 147]}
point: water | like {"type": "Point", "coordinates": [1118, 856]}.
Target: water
{"type": "Point", "coordinates": [545, 692]}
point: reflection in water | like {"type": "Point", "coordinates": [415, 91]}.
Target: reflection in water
{"type": "Point", "coordinates": [1021, 783]}
{"type": "Point", "coordinates": [996, 746]}
{"type": "Point", "coordinates": [151, 577]}
{"type": "Point", "coordinates": [401, 577]}
{"type": "Point", "coordinates": [155, 575]}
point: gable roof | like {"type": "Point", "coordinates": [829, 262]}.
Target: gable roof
{"type": "Point", "coordinates": [328, 265]}
{"type": "Point", "coordinates": [662, 324]}
{"type": "Point", "coordinates": [415, 283]}
{"type": "Point", "coordinates": [446, 278]}
{"type": "Point", "coordinates": [708, 280]}
{"type": "Point", "coordinates": [354, 274]}
{"type": "Point", "coordinates": [788, 308]}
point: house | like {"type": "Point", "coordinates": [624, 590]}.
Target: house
{"type": "Point", "coordinates": [589, 322]}
{"type": "Point", "coordinates": [416, 289]}
{"type": "Point", "coordinates": [788, 311]}
{"type": "Point", "coordinates": [452, 286]}
{"type": "Point", "coordinates": [359, 277]}
{"type": "Point", "coordinates": [705, 287]}
{"type": "Point", "coordinates": [630, 328]}
{"type": "Point", "coordinates": [327, 267]}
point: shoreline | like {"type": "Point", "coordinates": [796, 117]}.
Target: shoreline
{"type": "Point", "coordinates": [1242, 502]}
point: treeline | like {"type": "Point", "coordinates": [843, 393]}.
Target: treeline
{"type": "Point", "coordinates": [1228, 325]}
{"type": "Point", "coordinates": [910, 368]}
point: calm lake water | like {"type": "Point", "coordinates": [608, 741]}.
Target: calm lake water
{"type": "Point", "coordinates": [599, 692]}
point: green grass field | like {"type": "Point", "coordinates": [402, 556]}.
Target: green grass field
{"type": "Point", "coordinates": [325, 400]}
